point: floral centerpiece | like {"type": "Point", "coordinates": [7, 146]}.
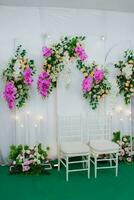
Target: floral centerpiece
{"type": "Point", "coordinates": [125, 146]}
{"type": "Point", "coordinates": [125, 76]}
{"type": "Point", "coordinates": [19, 78]}
{"type": "Point", "coordinates": [95, 85]}
{"type": "Point", "coordinates": [27, 160]}
{"type": "Point", "coordinates": [55, 56]}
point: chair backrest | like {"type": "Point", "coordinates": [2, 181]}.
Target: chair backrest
{"type": "Point", "coordinates": [98, 127]}
{"type": "Point", "coordinates": [69, 128]}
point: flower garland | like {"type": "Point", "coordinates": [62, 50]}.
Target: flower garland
{"type": "Point", "coordinates": [69, 48]}
{"type": "Point", "coordinates": [19, 78]}
{"type": "Point", "coordinates": [125, 77]}
{"type": "Point", "coordinates": [95, 85]}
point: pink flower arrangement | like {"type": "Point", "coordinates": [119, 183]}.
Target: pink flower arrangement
{"type": "Point", "coordinates": [47, 52]}
{"type": "Point", "coordinates": [10, 94]}
{"type": "Point", "coordinates": [87, 84]}
{"type": "Point", "coordinates": [27, 74]}
{"type": "Point", "coordinates": [43, 84]}
{"type": "Point", "coordinates": [80, 52]}
{"type": "Point", "coordinates": [98, 75]}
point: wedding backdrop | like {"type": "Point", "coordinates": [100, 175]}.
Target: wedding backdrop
{"type": "Point", "coordinates": [108, 35]}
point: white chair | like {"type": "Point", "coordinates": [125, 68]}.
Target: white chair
{"type": "Point", "coordinates": [71, 145]}
{"type": "Point", "coordinates": [99, 132]}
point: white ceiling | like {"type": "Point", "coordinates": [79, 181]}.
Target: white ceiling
{"type": "Point", "coordinates": [115, 5]}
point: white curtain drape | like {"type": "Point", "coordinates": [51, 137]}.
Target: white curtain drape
{"type": "Point", "coordinates": [36, 121]}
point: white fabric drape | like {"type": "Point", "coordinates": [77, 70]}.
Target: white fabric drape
{"type": "Point", "coordinates": [36, 122]}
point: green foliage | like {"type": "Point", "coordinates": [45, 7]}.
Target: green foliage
{"type": "Point", "coordinates": [129, 54]}
{"type": "Point", "coordinates": [125, 77]}
{"type": "Point", "coordinates": [116, 136]}
{"type": "Point", "coordinates": [15, 151]}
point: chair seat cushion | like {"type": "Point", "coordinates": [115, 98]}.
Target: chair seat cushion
{"type": "Point", "coordinates": [74, 148]}
{"type": "Point", "coordinates": [103, 146]}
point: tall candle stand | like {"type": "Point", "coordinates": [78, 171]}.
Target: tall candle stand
{"type": "Point", "coordinates": [27, 126]}
{"type": "Point", "coordinates": [23, 145]}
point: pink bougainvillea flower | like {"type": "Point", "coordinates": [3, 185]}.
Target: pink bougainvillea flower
{"type": "Point", "coordinates": [10, 94]}
{"type": "Point", "coordinates": [43, 84]}
{"type": "Point", "coordinates": [80, 52]}
{"type": "Point", "coordinates": [83, 56]}
{"type": "Point", "coordinates": [27, 74]}
{"type": "Point", "coordinates": [28, 162]}
{"type": "Point", "coordinates": [98, 75]}
{"type": "Point", "coordinates": [87, 84]}
{"type": "Point", "coordinates": [47, 52]}
{"type": "Point", "coordinates": [25, 168]}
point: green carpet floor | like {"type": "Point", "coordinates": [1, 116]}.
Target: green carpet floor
{"type": "Point", "coordinates": [54, 186]}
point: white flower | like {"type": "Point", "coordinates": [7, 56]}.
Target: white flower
{"type": "Point", "coordinates": [17, 69]}
{"type": "Point", "coordinates": [31, 148]}
{"type": "Point", "coordinates": [28, 152]}
{"type": "Point", "coordinates": [124, 139]}
{"type": "Point", "coordinates": [122, 152]}
{"type": "Point", "coordinates": [78, 44]}
{"type": "Point", "coordinates": [129, 159]}
{"type": "Point", "coordinates": [31, 156]}
{"type": "Point", "coordinates": [14, 162]}
{"type": "Point", "coordinates": [127, 71]}
{"type": "Point", "coordinates": [131, 90]}
{"type": "Point", "coordinates": [61, 50]}
{"type": "Point", "coordinates": [42, 157]}
{"type": "Point", "coordinates": [120, 143]}
{"type": "Point", "coordinates": [120, 158]}
{"type": "Point", "coordinates": [38, 162]}
{"type": "Point", "coordinates": [127, 150]}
